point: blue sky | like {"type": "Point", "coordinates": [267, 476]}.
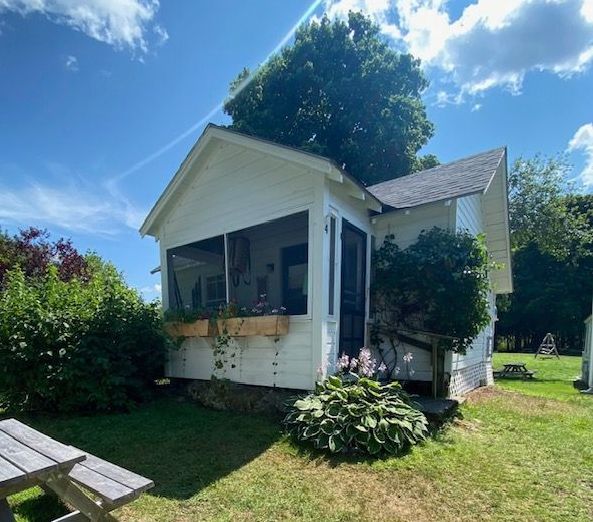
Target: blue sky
{"type": "Point", "coordinates": [95, 94]}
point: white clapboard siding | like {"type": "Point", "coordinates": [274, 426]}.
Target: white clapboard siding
{"type": "Point", "coordinates": [469, 214]}
{"type": "Point", "coordinates": [233, 189]}
{"type": "Point", "coordinates": [216, 200]}
{"type": "Point", "coordinates": [470, 218]}
{"type": "Point", "coordinates": [406, 226]}
{"type": "Point", "coordinates": [419, 369]}
{"type": "Point", "coordinates": [253, 360]}
{"type": "Point", "coordinates": [495, 214]}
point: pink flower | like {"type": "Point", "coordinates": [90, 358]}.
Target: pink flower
{"type": "Point", "coordinates": [382, 368]}
{"type": "Point", "coordinates": [366, 363]}
{"type": "Point", "coordinates": [408, 357]}
{"type": "Point", "coordinates": [343, 363]}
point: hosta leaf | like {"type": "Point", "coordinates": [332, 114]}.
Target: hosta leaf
{"type": "Point", "coordinates": [311, 431]}
{"type": "Point", "coordinates": [303, 405]}
{"type": "Point", "coordinates": [335, 443]}
{"type": "Point", "coordinates": [362, 438]}
{"type": "Point", "coordinates": [373, 446]}
{"type": "Point", "coordinates": [393, 433]}
{"type": "Point", "coordinates": [327, 426]}
{"type": "Point", "coordinates": [380, 436]}
{"type": "Point", "coordinates": [336, 382]}
{"type": "Point", "coordinates": [322, 441]}
{"type": "Point", "coordinates": [351, 430]}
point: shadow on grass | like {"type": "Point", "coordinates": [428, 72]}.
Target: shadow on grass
{"type": "Point", "coordinates": [179, 445]}
{"type": "Point", "coordinates": [40, 508]}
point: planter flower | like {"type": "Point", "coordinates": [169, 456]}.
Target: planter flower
{"type": "Point", "coordinates": [261, 319]}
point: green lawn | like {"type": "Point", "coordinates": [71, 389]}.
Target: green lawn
{"type": "Point", "coordinates": [522, 451]}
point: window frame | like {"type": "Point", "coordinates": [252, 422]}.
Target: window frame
{"type": "Point", "coordinates": [310, 237]}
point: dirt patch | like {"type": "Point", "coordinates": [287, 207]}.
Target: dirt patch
{"type": "Point", "coordinates": [485, 393]}
{"type": "Point", "coordinates": [518, 402]}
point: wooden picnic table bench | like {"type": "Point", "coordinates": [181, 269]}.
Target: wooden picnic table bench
{"type": "Point", "coordinates": [30, 458]}
{"type": "Point", "coordinates": [518, 369]}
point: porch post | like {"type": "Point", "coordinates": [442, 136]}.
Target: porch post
{"type": "Point", "coordinates": [435, 369]}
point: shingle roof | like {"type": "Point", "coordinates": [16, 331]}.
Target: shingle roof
{"type": "Point", "coordinates": [459, 178]}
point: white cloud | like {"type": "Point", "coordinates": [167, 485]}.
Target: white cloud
{"type": "Point", "coordinates": [583, 141]}
{"type": "Point", "coordinates": [121, 23]}
{"type": "Point", "coordinates": [493, 43]}
{"type": "Point", "coordinates": [71, 63]}
{"type": "Point", "coordinates": [73, 207]}
{"type": "Point", "coordinates": [152, 289]}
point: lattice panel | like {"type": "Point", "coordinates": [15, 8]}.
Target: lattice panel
{"type": "Point", "coordinates": [470, 378]}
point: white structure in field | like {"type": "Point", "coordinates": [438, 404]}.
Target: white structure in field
{"type": "Point", "coordinates": [244, 217]}
{"type": "Point", "coordinates": [587, 363]}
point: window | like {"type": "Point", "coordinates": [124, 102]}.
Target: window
{"type": "Point", "coordinates": [332, 264]}
{"type": "Point", "coordinates": [295, 282]}
{"type": "Point", "coordinates": [197, 277]}
{"type": "Point", "coordinates": [215, 290]}
{"type": "Point", "coordinates": [271, 259]}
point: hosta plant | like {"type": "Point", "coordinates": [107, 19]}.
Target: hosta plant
{"type": "Point", "coordinates": [359, 415]}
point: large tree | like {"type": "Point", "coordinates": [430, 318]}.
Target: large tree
{"type": "Point", "coordinates": [552, 251]}
{"type": "Point", "coordinates": [340, 91]}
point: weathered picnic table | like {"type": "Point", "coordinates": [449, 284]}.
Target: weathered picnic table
{"type": "Point", "coordinates": [517, 369]}
{"type": "Point", "coordinates": [30, 458]}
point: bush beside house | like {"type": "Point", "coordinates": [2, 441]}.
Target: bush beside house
{"type": "Point", "coordinates": [76, 343]}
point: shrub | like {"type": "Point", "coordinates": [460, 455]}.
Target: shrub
{"type": "Point", "coordinates": [357, 415]}
{"type": "Point", "coordinates": [439, 284]}
{"type": "Point", "coordinates": [78, 344]}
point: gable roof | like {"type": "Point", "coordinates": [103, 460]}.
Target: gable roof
{"type": "Point", "coordinates": [215, 134]}
{"type": "Point", "coordinates": [463, 177]}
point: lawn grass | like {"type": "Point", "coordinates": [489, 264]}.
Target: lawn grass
{"type": "Point", "coordinates": [523, 450]}
{"type": "Point", "coordinates": [553, 377]}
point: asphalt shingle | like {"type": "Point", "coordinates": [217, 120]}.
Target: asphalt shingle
{"type": "Point", "coordinates": [451, 180]}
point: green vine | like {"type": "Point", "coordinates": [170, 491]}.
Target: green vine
{"type": "Point", "coordinates": [225, 348]}
{"type": "Point", "coordinates": [439, 284]}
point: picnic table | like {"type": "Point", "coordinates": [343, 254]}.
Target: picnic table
{"type": "Point", "coordinates": [92, 486]}
{"type": "Point", "coordinates": [516, 369]}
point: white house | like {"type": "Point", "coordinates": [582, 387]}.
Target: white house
{"type": "Point", "coordinates": [244, 216]}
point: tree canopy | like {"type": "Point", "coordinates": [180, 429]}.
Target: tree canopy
{"type": "Point", "coordinates": [339, 91]}
{"type": "Point", "coordinates": [552, 254]}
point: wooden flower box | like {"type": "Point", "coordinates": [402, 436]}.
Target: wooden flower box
{"type": "Point", "coordinates": [269, 325]}
{"type": "Point", "coordinates": [199, 328]}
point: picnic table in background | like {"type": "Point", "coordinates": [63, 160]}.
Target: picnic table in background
{"type": "Point", "coordinates": [30, 458]}
{"type": "Point", "coordinates": [516, 369]}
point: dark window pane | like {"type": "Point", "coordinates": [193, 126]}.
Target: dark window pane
{"type": "Point", "coordinates": [261, 262]}
{"type": "Point", "coordinates": [332, 264]}
{"type": "Point", "coordinates": [196, 273]}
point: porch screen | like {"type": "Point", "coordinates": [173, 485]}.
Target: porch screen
{"type": "Point", "coordinates": [271, 259]}
{"type": "Point", "coordinates": [197, 277]}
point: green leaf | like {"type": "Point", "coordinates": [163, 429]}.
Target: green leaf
{"type": "Point", "coordinates": [303, 405]}
{"type": "Point", "coordinates": [335, 443]}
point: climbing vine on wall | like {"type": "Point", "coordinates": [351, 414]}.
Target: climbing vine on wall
{"type": "Point", "coordinates": [439, 285]}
